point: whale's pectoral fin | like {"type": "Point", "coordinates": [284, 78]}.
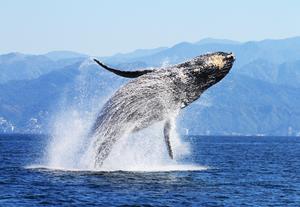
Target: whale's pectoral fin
{"type": "Point", "coordinates": [167, 129]}
{"type": "Point", "coordinates": [126, 74]}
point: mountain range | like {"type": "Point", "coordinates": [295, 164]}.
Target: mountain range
{"type": "Point", "coordinates": [260, 96]}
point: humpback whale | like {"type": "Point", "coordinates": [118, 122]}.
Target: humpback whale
{"type": "Point", "coordinates": [152, 95]}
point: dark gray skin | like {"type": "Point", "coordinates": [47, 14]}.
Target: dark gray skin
{"type": "Point", "coordinates": [153, 95]}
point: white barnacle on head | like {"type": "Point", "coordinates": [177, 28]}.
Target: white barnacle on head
{"type": "Point", "coordinates": [217, 61]}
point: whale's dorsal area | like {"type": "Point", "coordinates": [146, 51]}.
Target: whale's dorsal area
{"type": "Point", "coordinates": [125, 74]}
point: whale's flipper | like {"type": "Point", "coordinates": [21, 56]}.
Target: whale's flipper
{"type": "Point", "coordinates": [126, 74]}
{"type": "Point", "coordinates": [167, 129]}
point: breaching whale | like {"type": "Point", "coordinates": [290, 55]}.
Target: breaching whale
{"type": "Point", "coordinates": [152, 96]}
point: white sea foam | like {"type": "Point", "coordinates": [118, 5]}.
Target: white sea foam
{"type": "Point", "coordinates": [158, 168]}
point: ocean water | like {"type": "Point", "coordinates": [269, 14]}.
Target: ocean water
{"type": "Point", "coordinates": [236, 171]}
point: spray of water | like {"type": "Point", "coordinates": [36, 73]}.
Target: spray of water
{"type": "Point", "coordinates": [70, 147]}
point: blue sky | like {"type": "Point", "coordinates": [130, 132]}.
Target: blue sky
{"type": "Point", "coordinates": [99, 27]}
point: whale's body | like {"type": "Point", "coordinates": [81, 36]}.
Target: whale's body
{"type": "Point", "coordinates": [152, 96]}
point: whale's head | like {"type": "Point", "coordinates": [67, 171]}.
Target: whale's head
{"type": "Point", "coordinates": [211, 68]}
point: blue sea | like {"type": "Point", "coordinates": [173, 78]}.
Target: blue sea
{"type": "Point", "coordinates": [240, 171]}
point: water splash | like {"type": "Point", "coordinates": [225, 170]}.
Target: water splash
{"type": "Point", "coordinates": [141, 151]}
{"type": "Point", "coordinates": [67, 142]}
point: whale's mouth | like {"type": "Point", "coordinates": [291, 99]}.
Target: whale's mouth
{"type": "Point", "coordinates": [229, 60]}
{"type": "Point", "coordinates": [230, 57]}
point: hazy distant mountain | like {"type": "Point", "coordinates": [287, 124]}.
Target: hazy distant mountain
{"type": "Point", "coordinates": [17, 66]}
{"type": "Point", "coordinates": [289, 74]}
{"type": "Point", "coordinates": [37, 100]}
{"type": "Point", "coordinates": [126, 57]}
{"type": "Point", "coordinates": [260, 69]}
{"type": "Point", "coordinates": [274, 51]}
{"type": "Point", "coordinates": [60, 54]}
{"type": "Point", "coordinates": [260, 96]}
{"type": "Point", "coordinates": [33, 99]}
{"type": "Point", "coordinates": [216, 41]}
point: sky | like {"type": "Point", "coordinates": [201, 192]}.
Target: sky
{"type": "Point", "coordinates": [102, 28]}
